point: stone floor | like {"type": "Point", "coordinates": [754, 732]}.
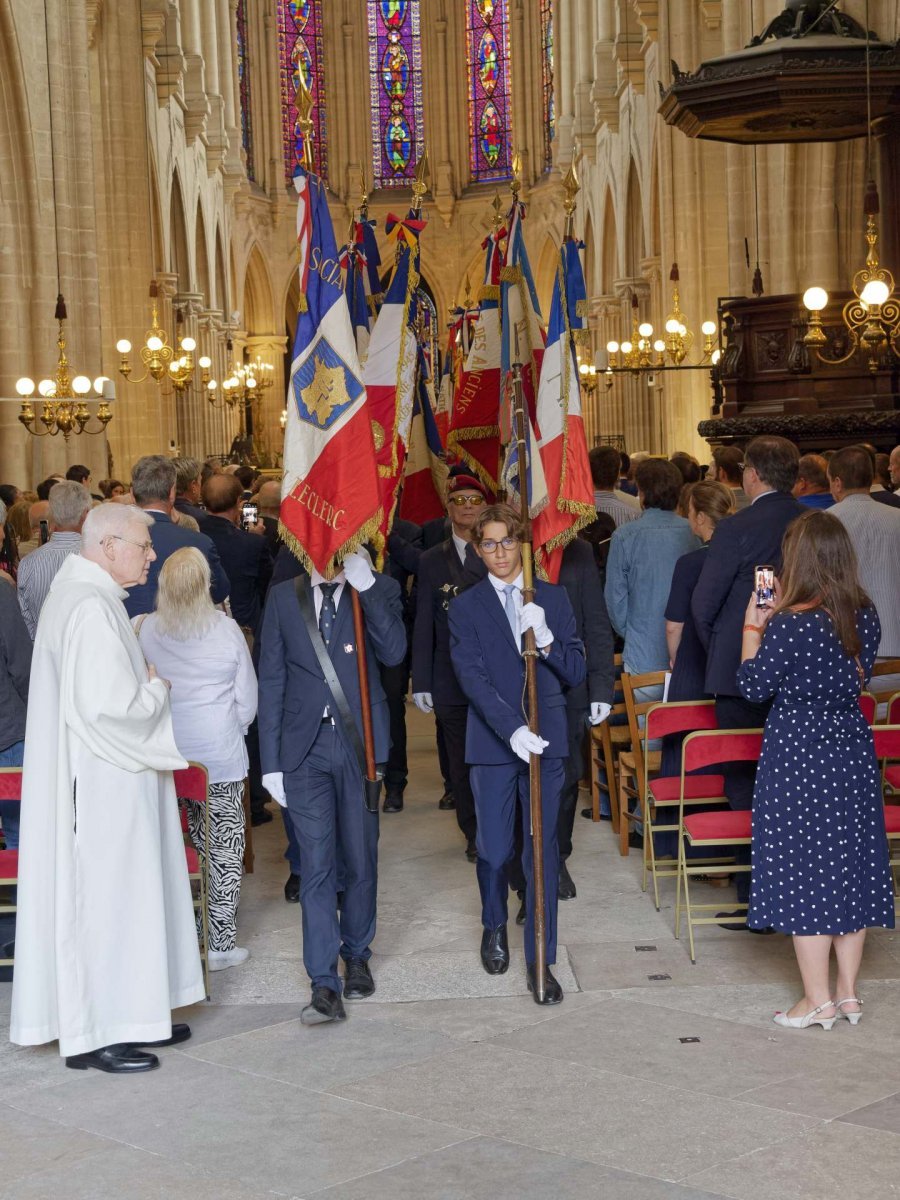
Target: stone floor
{"type": "Point", "coordinates": [654, 1079]}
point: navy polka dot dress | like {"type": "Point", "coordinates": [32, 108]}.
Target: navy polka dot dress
{"type": "Point", "coordinates": [820, 855]}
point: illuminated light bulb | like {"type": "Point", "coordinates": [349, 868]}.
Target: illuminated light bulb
{"type": "Point", "coordinates": [682, 329]}
{"type": "Point", "coordinates": [612, 347]}
{"type": "Point", "coordinates": [626, 347]}
{"type": "Point", "coordinates": [708, 328]}
{"type": "Point", "coordinates": [47, 388]}
{"type": "Point", "coordinates": [211, 386]}
{"type": "Point", "coordinates": [173, 368]}
{"type": "Point", "coordinates": [205, 363]}
{"type": "Point", "coordinates": [154, 344]}
{"type": "Point", "coordinates": [25, 386]}
{"type": "Point", "coordinates": [81, 385]}
{"type": "Point", "coordinates": [716, 355]}
{"type": "Point", "coordinates": [123, 346]}
{"type": "Point", "coordinates": [645, 330]}
{"type": "Point", "coordinates": [671, 325]}
{"type": "Point", "coordinates": [815, 299]}
{"type": "Point", "coordinates": [875, 293]}
{"type": "Point", "coordinates": [188, 344]}
{"type": "Point", "coordinates": [251, 383]}
{"type": "Point", "coordinates": [583, 369]}
{"type": "Point", "coordinates": [659, 346]}
{"type": "Point", "coordinates": [100, 384]}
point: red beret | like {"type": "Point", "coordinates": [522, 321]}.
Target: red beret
{"type": "Point", "coordinates": [468, 483]}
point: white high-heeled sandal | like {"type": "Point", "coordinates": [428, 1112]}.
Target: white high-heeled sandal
{"type": "Point", "coordinates": [853, 1018]}
{"type": "Point", "coordinates": [811, 1018]}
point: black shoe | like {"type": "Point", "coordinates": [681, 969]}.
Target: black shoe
{"type": "Point", "coordinates": [636, 840]}
{"type": "Point", "coordinates": [325, 1005]}
{"type": "Point", "coordinates": [260, 816]}
{"type": "Point", "coordinates": [520, 915]}
{"type": "Point", "coordinates": [471, 852]}
{"type": "Point", "coordinates": [393, 802]}
{"type": "Point", "coordinates": [180, 1033]}
{"type": "Point", "coordinates": [739, 927]}
{"type": "Point", "coordinates": [292, 889]}
{"type": "Point", "coordinates": [565, 889]}
{"type": "Point", "coordinates": [358, 981]}
{"type": "Point", "coordinates": [120, 1059]}
{"type": "Point", "coordinates": [495, 951]}
{"type": "Point", "coordinates": [446, 801]}
{"type": "Point", "coordinates": [588, 813]}
{"type": "Point", "coordinates": [553, 993]}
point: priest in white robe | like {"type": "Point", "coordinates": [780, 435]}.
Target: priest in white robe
{"type": "Point", "coordinates": [106, 944]}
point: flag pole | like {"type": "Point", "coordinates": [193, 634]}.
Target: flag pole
{"type": "Point", "coordinates": [530, 653]}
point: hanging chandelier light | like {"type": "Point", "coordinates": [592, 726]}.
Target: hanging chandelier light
{"type": "Point", "coordinates": [164, 362]}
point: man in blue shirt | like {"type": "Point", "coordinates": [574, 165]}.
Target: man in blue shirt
{"type": "Point", "coordinates": [812, 487]}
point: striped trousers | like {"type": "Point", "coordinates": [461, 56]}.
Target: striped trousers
{"type": "Point", "coordinates": [226, 857]}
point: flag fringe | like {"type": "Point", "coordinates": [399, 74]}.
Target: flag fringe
{"type": "Point", "coordinates": [367, 533]}
{"type": "Point", "coordinates": [475, 433]}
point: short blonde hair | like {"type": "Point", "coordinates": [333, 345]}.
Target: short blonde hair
{"type": "Point", "coordinates": [184, 609]}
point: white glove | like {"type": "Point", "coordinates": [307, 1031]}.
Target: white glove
{"type": "Point", "coordinates": [274, 785]}
{"type": "Point", "coordinates": [533, 617]}
{"type": "Point", "coordinates": [524, 743]}
{"type": "Point", "coordinates": [599, 712]}
{"type": "Point", "coordinates": [358, 571]}
{"type": "Point", "coordinates": [423, 702]}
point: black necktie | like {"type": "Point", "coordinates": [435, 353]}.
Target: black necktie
{"type": "Point", "coordinates": [328, 612]}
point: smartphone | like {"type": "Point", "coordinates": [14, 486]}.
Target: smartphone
{"type": "Point", "coordinates": [249, 515]}
{"type": "Point", "coordinates": [765, 586]}
{"type": "Point", "coordinates": [45, 532]}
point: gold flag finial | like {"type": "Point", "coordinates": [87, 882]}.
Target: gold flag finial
{"type": "Point", "coordinates": [572, 188]}
{"type": "Point", "coordinates": [364, 194]}
{"type": "Point", "coordinates": [515, 184]}
{"type": "Point", "coordinates": [304, 120]}
{"type": "Point", "coordinates": [420, 184]}
{"type": "Point", "coordinates": [497, 206]}
{"type": "Point", "coordinates": [467, 295]}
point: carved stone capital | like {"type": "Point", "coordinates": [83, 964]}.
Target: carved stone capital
{"type": "Point", "coordinates": [711, 11]}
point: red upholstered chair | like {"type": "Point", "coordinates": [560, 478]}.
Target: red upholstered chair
{"type": "Point", "coordinates": [193, 784]}
{"type": "Point", "coordinates": [714, 829]}
{"type": "Point", "coordinates": [10, 789]}
{"type": "Point", "coordinates": [869, 705]}
{"type": "Point", "coordinates": [664, 792]}
{"type": "Point", "coordinates": [887, 751]}
{"type": "Point", "coordinates": [893, 710]}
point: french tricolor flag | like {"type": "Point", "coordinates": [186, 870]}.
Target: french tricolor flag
{"type": "Point", "coordinates": [562, 443]}
{"type": "Point", "coordinates": [330, 500]}
{"type": "Point", "coordinates": [425, 483]}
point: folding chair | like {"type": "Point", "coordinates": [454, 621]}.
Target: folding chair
{"type": "Point", "coordinates": [887, 747]}
{"type": "Point", "coordinates": [631, 762]}
{"type": "Point", "coordinates": [884, 692]}
{"type": "Point", "coordinates": [869, 705]}
{"type": "Point", "coordinates": [10, 789]}
{"type": "Point", "coordinates": [893, 710]}
{"type": "Point", "coordinates": [606, 741]}
{"type": "Point", "coordinates": [719, 827]}
{"type": "Point", "coordinates": [665, 792]}
{"type": "Point", "coordinates": [193, 784]}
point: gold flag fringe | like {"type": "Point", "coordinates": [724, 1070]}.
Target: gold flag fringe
{"type": "Point", "coordinates": [367, 533]}
{"type": "Point", "coordinates": [476, 433]}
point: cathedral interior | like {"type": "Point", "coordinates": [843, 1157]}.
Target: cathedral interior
{"type": "Point", "coordinates": [153, 144]}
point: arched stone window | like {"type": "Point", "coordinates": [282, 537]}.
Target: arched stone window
{"type": "Point", "coordinates": [301, 57]}
{"type": "Point", "coordinates": [490, 92]}
{"type": "Point", "coordinates": [395, 90]}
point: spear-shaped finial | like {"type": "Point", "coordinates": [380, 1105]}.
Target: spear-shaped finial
{"type": "Point", "coordinates": [572, 187]}
{"type": "Point", "coordinates": [467, 298]}
{"type": "Point", "coordinates": [497, 206]}
{"type": "Point", "coordinates": [364, 196]}
{"type": "Point", "coordinates": [420, 184]}
{"type": "Point", "coordinates": [515, 184]}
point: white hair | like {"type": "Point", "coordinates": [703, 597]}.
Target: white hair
{"type": "Point", "coordinates": [111, 520]}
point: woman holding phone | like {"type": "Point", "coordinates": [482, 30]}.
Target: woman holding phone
{"type": "Point", "coordinates": [820, 855]}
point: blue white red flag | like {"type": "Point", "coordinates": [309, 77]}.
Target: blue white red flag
{"type": "Point", "coordinates": [390, 369]}
{"type": "Point", "coordinates": [330, 496]}
{"type": "Point", "coordinates": [520, 320]}
{"type": "Point", "coordinates": [355, 291]}
{"type": "Point", "coordinates": [425, 482]}
{"type": "Point", "coordinates": [370, 258]}
{"type": "Point", "coordinates": [563, 447]}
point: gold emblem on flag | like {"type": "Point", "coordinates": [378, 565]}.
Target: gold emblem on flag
{"type": "Point", "coordinates": [324, 392]}
{"type": "Point", "coordinates": [378, 435]}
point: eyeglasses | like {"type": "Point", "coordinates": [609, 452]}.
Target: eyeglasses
{"type": "Point", "coordinates": [489, 546]}
{"type": "Point", "coordinates": [744, 466]}
{"type": "Point", "coordinates": [117, 537]}
{"type": "Point", "coordinates": [467, 501]}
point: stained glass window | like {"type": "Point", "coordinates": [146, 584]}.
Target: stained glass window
{"type": "Point", "coordinates": [490, 95]}
{"type": "Point", "coordinates": [300, 55]}
{"type": "Point", "coordinates": [243, 61]}
{"type": "Point", "coordinates": [547, 79]}
{"type": "Point", "coordinates": [395, 89]}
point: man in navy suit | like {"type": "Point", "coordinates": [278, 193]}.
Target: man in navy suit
{"type": "Point", "coordinates": [751, 538]}
{"type": "Point", "coordinates": [445, 571]}
{"type": "Point", "coordinates": [487, 623]}
{"type": "Point", "coordinates": [153, 486]}
{"type": "Point", "coordinates": [309, 765]}
{"type": "Point", "coordinates": [244, 554]}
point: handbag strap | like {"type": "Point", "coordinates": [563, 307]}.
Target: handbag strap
{"type": "Point", "coordinates": [341, 706]}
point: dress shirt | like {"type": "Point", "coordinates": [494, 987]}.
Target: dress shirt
{"type": "Point", "coordinates": [820, 500]}
{"type": "Point", "coordinates": [874, 530]}
{"type": "Point", "coordinates": [461, 545]}
{"type": "Point", "coordinates": [518, 583]}
{"type": "Point", "coordinates": [317, 580]}
{"type": "Point", "coordinates": [642, 558]}
{"type": "Point", "coordinates": [38, 570]}
{"type": "Point", "coordinates": [618, 505]}
{"type": "Point", "coordinates": [214, 692]}
{"type": "Point", "coordinates": [770, 492]}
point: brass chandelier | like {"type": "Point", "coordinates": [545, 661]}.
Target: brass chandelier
{"type": "Point", "coordinates": [162, 361]}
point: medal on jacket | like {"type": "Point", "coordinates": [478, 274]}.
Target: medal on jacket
{"type": "Point", "coordinates": [348, 647]}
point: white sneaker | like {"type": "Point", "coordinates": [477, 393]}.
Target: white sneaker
{"type": "Point", "coordinates": [221, 960]}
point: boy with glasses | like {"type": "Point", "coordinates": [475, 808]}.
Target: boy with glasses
{"type": "Point", "coordinates": [487, 625]}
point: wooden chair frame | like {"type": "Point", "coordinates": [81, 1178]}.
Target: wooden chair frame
{"type": "Point", "coordinates": [606, 741]}
{"type": "Point", "coordinates": [631, 763]}
{"type": "Point", "coordinates": [705, 749]}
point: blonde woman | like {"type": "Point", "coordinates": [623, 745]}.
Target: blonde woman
{"type": "Point", "coordinates": [203, 654]}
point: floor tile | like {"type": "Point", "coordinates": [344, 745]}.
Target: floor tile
{"type": "Point", "coordinates": [883, 1114]}
{"type": "Point", "coordinates": [29, 1143]}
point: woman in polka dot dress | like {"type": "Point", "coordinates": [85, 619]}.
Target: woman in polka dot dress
{"type": "Point", "coordinates": [820, 855]}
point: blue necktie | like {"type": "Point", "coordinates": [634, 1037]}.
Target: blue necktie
{"type": "Point", "coordinates": [328, 612]}
{"type": "Point", "coordinates": [509, 607]}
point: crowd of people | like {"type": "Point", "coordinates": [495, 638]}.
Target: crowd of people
{"type": "Point", "coordinates": [160, 621]}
